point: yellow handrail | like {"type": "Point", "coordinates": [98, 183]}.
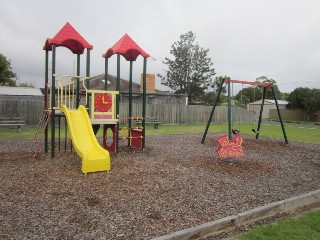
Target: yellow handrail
{"type": "Point", "coordinates": [66, 90]}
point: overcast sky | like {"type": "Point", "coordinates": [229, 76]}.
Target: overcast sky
{"type": "Point", "coordinates": [246, 39]}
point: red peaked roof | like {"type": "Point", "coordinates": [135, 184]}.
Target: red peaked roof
{"type": "Point", "coordinates": [127, 48]}
{"type": "Point", "coordinates": [68, 37]}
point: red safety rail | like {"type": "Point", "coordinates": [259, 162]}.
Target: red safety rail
{"type": "Point", "coordinates": [127, 128]}
{"type": "Point", "coordinates": [132, 118]}
{"type": "Point", "coordinates": [249, 83]}
{"type": "Point", "coordinates": [123, 138]}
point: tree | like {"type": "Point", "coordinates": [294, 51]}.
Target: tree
{"type": "Point", "coordinates": [190, 72]}
{"type": "Point", "coordinates": [269, 95]}
{"type": "Point", "coordinates": [284, 95]}
{"type": "Point", "coordinates": [7, 76]}
{"type": "Point", "coordinates": [248, 95]}
{"type": "Point", "coordinates": [217, 83]}
{"type": "Point", "coordinates": [209, 97]}
{"type": "Point", "coordinates": [30, 85]}
{"type": "Point", "coordinates": [304, 99]}
{"type": "Point", "coordinates": [254, 93]}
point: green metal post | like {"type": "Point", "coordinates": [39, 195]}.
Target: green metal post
{"type": "Point", "coordinates": [261, 110]}
{"type": "Point", "coordinates": [65, 134]}
{"type": "Point", "coordinates": [53, 101]}
{"type": "Point", "coordinates": [229, 111]}
{"type": "Point", "coordinates": [118, 101]}
{"type": "Point", "coordinates": [144, 102]}
{"type": "Point", "coordinates": [130, 103]}
{"type": "Point", "coordinates": [88, 74]}
{"type": "Point", "coordinates": [106, 73]}
{"type": "Point", "coordinates": [282, 126]}
{"type": "Point", "coordinates": [212, 112]}
{"type": "Point", "coordinates": [46, 80]}
{"type": "Point", "coordinates": [78, 84]}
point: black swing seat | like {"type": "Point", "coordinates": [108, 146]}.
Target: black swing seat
{"type": "Point", "coordinates": [256, 131]}
{"type": "Point", "coordinates": [236, 131]}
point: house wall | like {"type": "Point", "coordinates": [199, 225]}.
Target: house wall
{"type": "Point", "coordinates": [266, 109]}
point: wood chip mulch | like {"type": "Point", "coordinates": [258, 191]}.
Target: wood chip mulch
{"type": "Point", "coordinates": [176, 183]}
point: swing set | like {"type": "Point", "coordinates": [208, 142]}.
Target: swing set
{"type": "Point", "coordinates": [231, 131]}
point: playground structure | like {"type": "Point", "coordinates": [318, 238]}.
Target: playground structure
{"type": "Point", "coordinates": [231, 131]}
{"type": "Point", "coordinates": [63, 97]}
{"type": "Point", "coordinates": [127, 48]}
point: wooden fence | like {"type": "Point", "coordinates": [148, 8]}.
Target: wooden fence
{"type": "Point", "coordinates": [28, 107]}
{"type": "Point", "coordinates": [292, 115]}
{"type": "Point", "coordinates": [31, 109]}
{"type": "Point", "coordinates": [172, 114]}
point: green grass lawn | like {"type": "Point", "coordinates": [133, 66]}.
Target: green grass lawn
{"type": "Point", "coordinates": [310, 134]}
{"type": "Point", "coordinates": [305, 227]}
{"type": "Point", "coordinates": [298, 133]}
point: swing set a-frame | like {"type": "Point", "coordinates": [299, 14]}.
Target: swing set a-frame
{"type": "Point", "coordinates": [265, 85]}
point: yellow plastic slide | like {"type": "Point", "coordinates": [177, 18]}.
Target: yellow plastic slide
{"type": "Point", "coordinates": [94, 157]}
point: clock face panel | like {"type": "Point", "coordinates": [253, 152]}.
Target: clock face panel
{"type": "Point", "coordinates": [103, 102]}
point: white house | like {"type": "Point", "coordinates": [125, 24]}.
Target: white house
{"type": "Point", "coordinates": [19, 91]}
{"type": "Point", "coordinates": [268, 105]}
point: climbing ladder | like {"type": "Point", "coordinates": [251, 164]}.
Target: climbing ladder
{"type": "Point", "coordinates": [43, 123]}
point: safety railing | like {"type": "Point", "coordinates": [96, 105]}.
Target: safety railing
{"type": "Point", "coordinates": [66, 90]}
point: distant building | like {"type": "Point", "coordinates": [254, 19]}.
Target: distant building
{"type": "Point", "coordinates": [19, 91]}
{"type": "Point", "coordinates": [268, 105]}
{"type": "Point", "coordinates": [154, 96]}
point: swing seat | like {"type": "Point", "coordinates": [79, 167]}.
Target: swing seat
{"type": "Point", "coordinates": [256, 131]}
{"type": "Point", "coordinates": [236, 131]}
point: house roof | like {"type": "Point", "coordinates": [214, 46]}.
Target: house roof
{"type": "Point", "coordinates": [20, 91]}
{"type": "Point", "coordinates": [127, 48]}
{"type": "Point", "coordinates": [68, 37]}
{"type": "Point", "coordinates": [270, 102]}
{"type": "Point", "coordinates": [97, 83]}
{"type": "Point", "coordinates": [280, 102]}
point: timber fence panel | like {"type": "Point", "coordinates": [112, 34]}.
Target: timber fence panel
{"type": "Point", "coordinates": [178, 113]}
{"type": "Point", "coordinates": [31, 109]}
{"type": "Point", "coordinates": [28, 107]}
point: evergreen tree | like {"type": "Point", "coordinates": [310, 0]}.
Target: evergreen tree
{"type": "Point", "coordinates": [249, 94]}
{"type": "Point", "coordinates": [7, 76]}
{"type": "Point", "coordinates": [190, 71]}
{"type": "Point", "coordinates": [269, 95]}
{"type": "Point", "coordinates": [305, 99]}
